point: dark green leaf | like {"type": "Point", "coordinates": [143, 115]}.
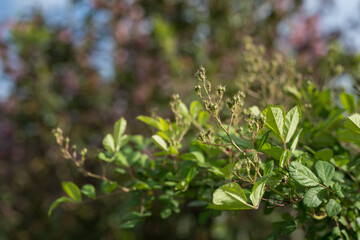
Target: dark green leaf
{"type": "Point", "coordinates": [108, 187]}
{"type": "Point", "coordinates": [263, 140]}
{"type": "Point", "coordinates": [337, 188]}
{"type": "Point", "coordinates": [324, 154]}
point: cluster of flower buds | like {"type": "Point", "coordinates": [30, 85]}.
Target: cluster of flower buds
{"type": "Point", "coordinates": [200, 74]}
{"type": "Point", "coordinates": [256, 122]}
{"type": "Point", "coordinates": [198, 90]}
{"type": "Point", "coordinates": [213, 108]}
{"type": "Point", "coordinates": [236, 100]}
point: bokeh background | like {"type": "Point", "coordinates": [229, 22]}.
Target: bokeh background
{"type": "Point", "coordinates": [82, 64]}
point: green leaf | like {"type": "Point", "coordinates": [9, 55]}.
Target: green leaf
{"type": "Point", "coordinates": [238, 141]}
{"type": "Point", "coordinates": [57, 202]}
{"type": "Point", "coordinates": [314, 197]}
{"type": "Point", "coordinates": [203, 118]}
{"type": "Point", "coordinates": [263, 140]}
{"type": "Point", "coordinates": [72, 191]}
{"type": "Point", "coordinates": [295, 142]}
{"type": "Point", "coordinates": [160, 142]}
{"type": "Point", "coordinates": [258, 191]}
{"type": "Point", "coordinates": [347, 135]}
{"type": "Point", "coordinates": [284, 158]}
{"type": "Point", "coordinates": [348, 101]}
{"type": "Point", "coordinates": [103, 157]}
{"type": "Point", "coordinates": [292, 120]}
{"type": "Point", "coordinates": [150, 121]}
{"type": "Point", "coordinates": [109, 143]}
{"type": "Point", "coordinates": [272, 150]}
{"type": "Point", "coordinates": [332, 208]}
{"type": "Point", "coordinates": [269, 166]}
{"type": "Point", "coordinates": [353, 123]}
{"type": "Point", "coordinates": [130, 220]}
{"type": "Point", "coordinates": [303, 175]}
{"type": "Point", "coordinates": [275, 118]}
{"type": "Point", "coordinates": [196, 156]}
{"type": "Point", "coordinates": [324, 154]}
{"type": "Point", "coordinates": [121, 160]}
{"type": "Point", "coordinates": [119, 129]}
{"type": "Point", "coordinates": [337, 188]}
{"type": "Point", "coordinates": [195, 108]}
{"type": "Point", "coordinates": [165, 212]}
{"type": "Point", "coordinates": [183, 110]}
{"type": "Point", "coordinates": [108, 187]}
{"type": "Point", "coordinates": [325, 172]}
{"type": "Point", "coordinates": [89, 190]}
{"type": "Point", "coordinates": [230, 197]}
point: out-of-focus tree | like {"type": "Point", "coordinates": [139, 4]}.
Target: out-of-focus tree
{"type": "Point", "coordinates": [153, 48]}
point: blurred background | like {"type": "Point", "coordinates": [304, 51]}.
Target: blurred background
{"type": "Point", "coordinates": [82, 64]}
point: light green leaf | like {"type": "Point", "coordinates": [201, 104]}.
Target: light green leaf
{"type": "Point", "coordinates": [119, 129]}
{"type": "Point", "coordinates": [89, 190]}
{"type": "Point", "coordinates": [230, 197]}
{"type": "Point", "coordinates": [292, 120]}
{"type": "Point", "coordinates": [332, 208]}
{"type": "Point", "coordinates": [325, 171]}
{"type": "Point", "coordinates": [72, 191]}
{"type": "Point", "coordinates": [272, 150]}
{"type": "Point", "coordinates": [348, 101]}
{"type": "Point", "coordinates": [353, 123]}
{"type": "Point", "coordinates": [284, 158]}
{"type": "Point", "coordinates": [258, 191]}
{"type": "Point", "coordinates": [108, 187]}
{"type": "Point", "coordinates": [203, 117]}
{"type": "Point", "coordinates": [303, 175]}
{"type": "Point", "coordinates": [314, 197]}
{"type": "Point", "coordinates": [121, 160]}
{"type": "Point", "coordinates": [109, 143]}
{"type": "Point", "coordinates": [160, 142]}
{"type": "Point", "coordinates": [150, 121]}
{"type": "Point", "coordinates": [324, 154]}
{"type": "Point", "coordinates": [193, 156]}
{"type": "Point", "coordinates": [164, 124]}
{"type": "Point", "coordinates": [195, 108]}
{"type": "Point", "coordinates": [103, 157]}
{"type": "Point", "coordinates": [295, 142]}
{"type": "Point", "coordinates": [275, 118]}
{"type": "Point", "coordinates": [57, 202]}
{"type": "Point", "coordinates": [183, 110]}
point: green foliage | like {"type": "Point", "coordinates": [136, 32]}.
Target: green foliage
{"type": "Point", "coordinates": [236, 164]}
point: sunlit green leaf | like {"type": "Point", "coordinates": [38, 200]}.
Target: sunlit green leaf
{"type": "Point", "coordinates": [160, 142]}
{"type": "Point", "coordinates": [72, 191]}
{"type": "Point", "coordinates": [57, 202]}
{"type": "Point", "coordinates": [292, 120]}
{"type": "Point", "coordinates": [89, 190]}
